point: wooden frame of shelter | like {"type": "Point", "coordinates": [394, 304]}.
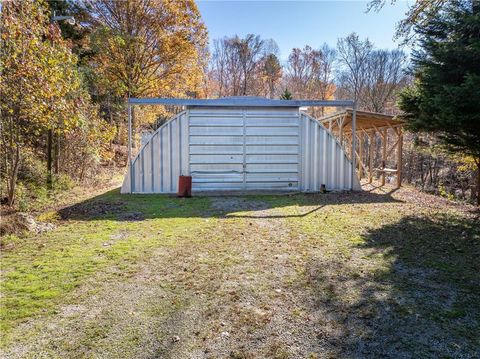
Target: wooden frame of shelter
{"type": "Point", "coordinates": [369, 126]}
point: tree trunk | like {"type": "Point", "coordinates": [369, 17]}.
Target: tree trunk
{"type": "Point", "coordinates": [272, 88]}
{"type": "Point", "coordinates": [244, 92]}
{"type": "Point", "coordinates": [477, 161]}
{"type": "Point", "coordinates": [129, 95]}
{"type": "Point", "coordinates": [13, 176]}
{"type": "Point", "coordinates": [435, 172]}
{"type": "Point", "coordinates": [430, 173]}
{"type": "Point", "coordinates": [49, 158]}
{"type": "Point", "coordinates": [410, 167]}
{"type": "Point", "coordinates": [422, 172]}
{"type": "Point", "coordinates": [57, 155]}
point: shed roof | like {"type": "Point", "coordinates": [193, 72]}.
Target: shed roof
{"type": "Point", "coordinates": [237, 101]}
{"type": "Point", "coordinates": [365, 120]}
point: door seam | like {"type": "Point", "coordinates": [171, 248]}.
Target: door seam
{"type": "Point", "coordinates": [244, 169]}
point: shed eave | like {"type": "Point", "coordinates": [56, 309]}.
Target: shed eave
{"type": "Point", "coordinates": [239, 102]}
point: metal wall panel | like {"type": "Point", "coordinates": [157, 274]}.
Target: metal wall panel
{"type": "Point", "coordinates": [323, 159]}
{"type": "Point", "coordinates": [161, 160]}
{"type": "Point", "coordinates": [272, 149]}
{"type": "Point", "coordinates": [216, 149]}
{"type": "Point", "coordinates": [244, 148]}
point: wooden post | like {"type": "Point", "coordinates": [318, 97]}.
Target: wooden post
{"type": "Point", "coordinates": [384, 153]}
{"type": "Point", "coordinates": [56, 167]}
{"type": "Point", "coordinates": [349, 144]}
{"type": "Point", "coordinates": [354, 131]}
{"type": "Point", "coordinates": [371, 138]}
{"type": "Point", "coordinates": [399, 157]}
{"type": "Point", "coordinates": [360, 156]}
{"type": "Point", "coordinates": [340, 136]}
{"type": "Point", "coordinates": [130, 140]}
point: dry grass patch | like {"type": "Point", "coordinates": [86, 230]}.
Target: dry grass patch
{"type": "Point", "coordinates": [301, 276]}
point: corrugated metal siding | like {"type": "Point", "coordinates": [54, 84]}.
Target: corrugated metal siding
{"type": "Point", "coordinates": [216, 149]}
{"type": "Point", "coordinates": [161, 160]}
{"type": "Point", "coordinates": [272, 149]}
{"type": "Point", "coordinates": [239, 149]}
{"type": "Point", "coordinates": [323, 159]}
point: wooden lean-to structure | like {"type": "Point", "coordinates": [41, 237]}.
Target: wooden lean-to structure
{"type": "Point", "coordinates": [372, 131]}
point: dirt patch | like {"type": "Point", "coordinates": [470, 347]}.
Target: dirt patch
{"type": "Point", "coordinates": [72, 310]}
{"type": "Point", "coordinates": [237, 204]}
{"type": "Point", "coordinates": [120, 235]}
{"type": "Point", "coordinates": [91, 209]}
{"type": "Point", "coordinates": [131, 216]}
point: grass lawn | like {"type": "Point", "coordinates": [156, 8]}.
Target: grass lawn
{"type": "Point", "coordinates": [371, 274]}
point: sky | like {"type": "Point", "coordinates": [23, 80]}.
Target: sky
{"type": "Point", "coordinates": [299, 23]}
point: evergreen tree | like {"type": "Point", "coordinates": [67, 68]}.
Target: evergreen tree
{"type": "Point", "coordinates": [271, 72]}
{"type": "Point", "coordinates": [445, 98]}
{"type": "Point", "coordinates": [286, 95]}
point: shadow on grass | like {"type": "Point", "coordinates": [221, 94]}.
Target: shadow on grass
{"type": "Point", "coordinates": [421, 301]}
{"type": "Point", "coordinates": [137, 207]}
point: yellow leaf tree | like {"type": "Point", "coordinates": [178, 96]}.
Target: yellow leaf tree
{"type": "Point", "coordinates": [41, 90]}
{"type": "Point", "coordinates": [148, 47]}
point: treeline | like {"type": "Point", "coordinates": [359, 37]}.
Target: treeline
{"type": "Point", "coordinates": [355, 69]}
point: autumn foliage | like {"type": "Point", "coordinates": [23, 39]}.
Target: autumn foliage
{"type": "Point", "coordinates": [41, 90]}
{"type": "Point", "coordinates": [70, 86]}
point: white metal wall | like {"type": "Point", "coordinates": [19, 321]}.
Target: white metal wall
{"type": "Point", "coordinates": [238, 149]}
{"type": "Point", "coordinates": [216, 148]}
{"type": "Point", "coordinates": [323, 159]}
{"type": "Point", "coordinates": [161, 160]}
{"type": "Point", "coordinates": [244, 148]}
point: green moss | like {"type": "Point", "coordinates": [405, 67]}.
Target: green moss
{"type": "Point", "coordinates": [44, 269]}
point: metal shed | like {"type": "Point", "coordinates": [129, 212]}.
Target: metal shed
{"type": "Point", "coordinates": [240, 143]}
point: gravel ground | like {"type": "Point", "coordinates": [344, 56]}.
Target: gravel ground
{"type": "Point", "coordinates": [342, 275]}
